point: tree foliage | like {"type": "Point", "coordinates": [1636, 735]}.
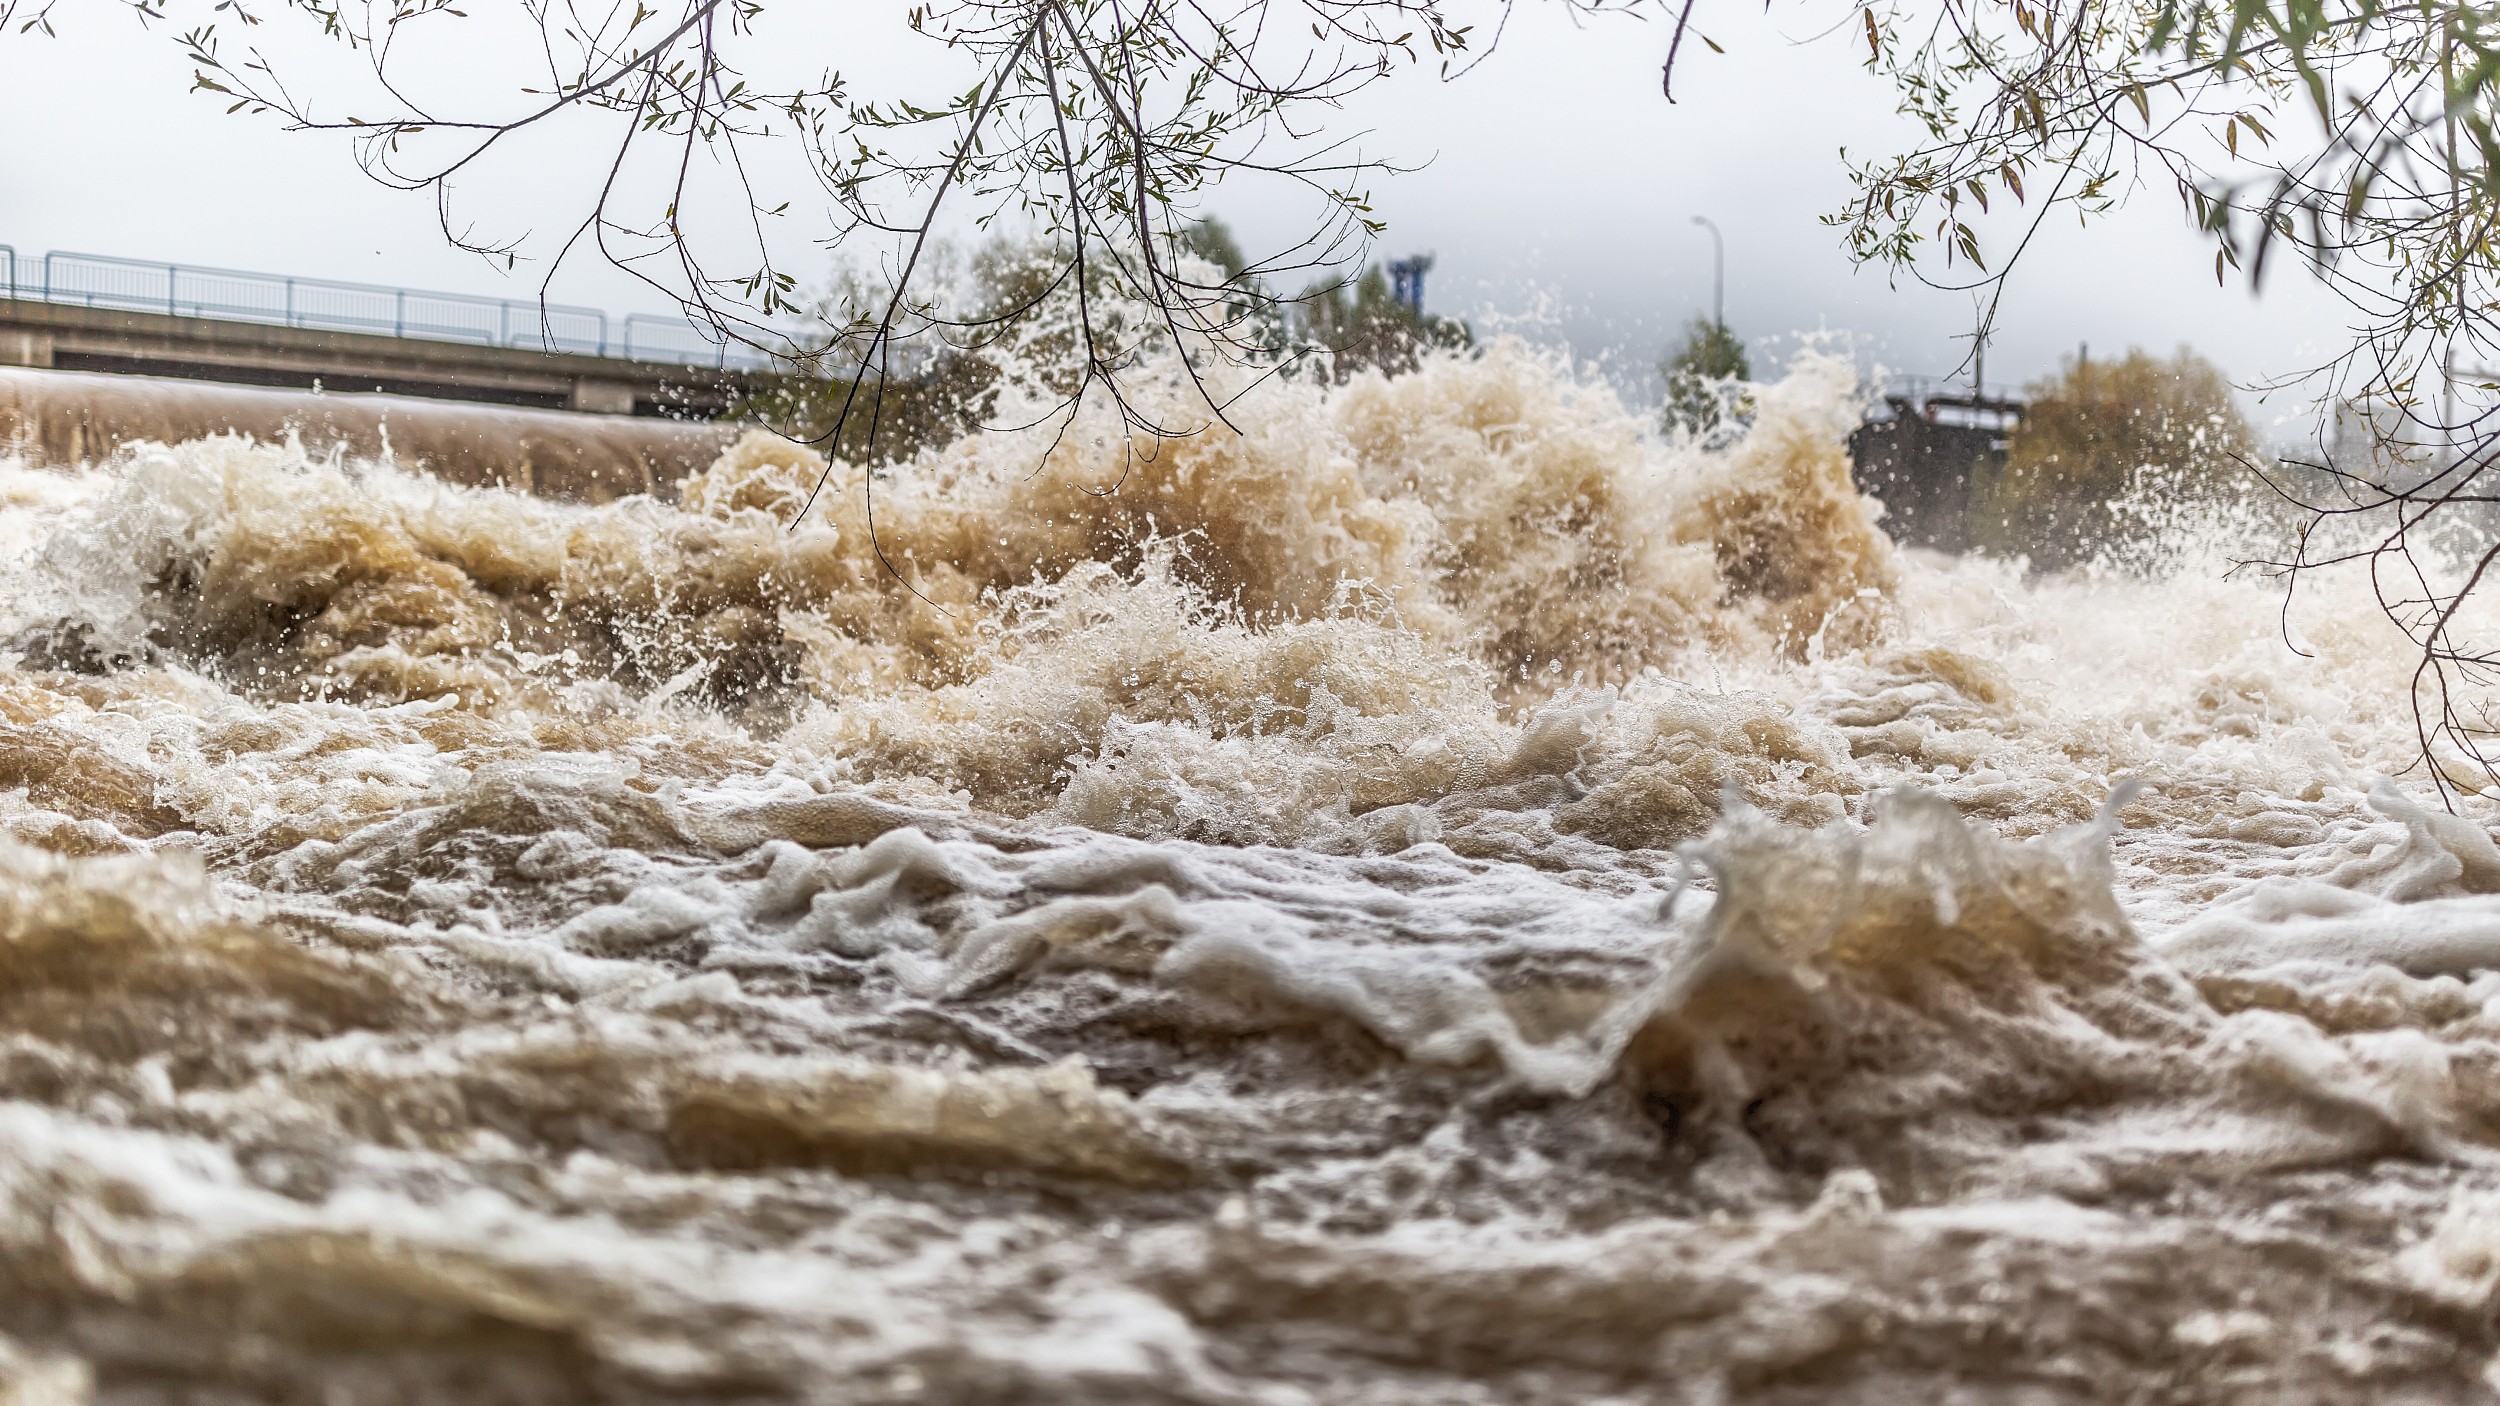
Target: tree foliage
{"type": "Point", "coordinates": [1007, 320]}
{"type": "Point", "coordinates": [2099, 433]}
{"type": "Point", "coordinates": [1362, 326]}
{"type": "Point", "coordinates": [930, 389]}
{"type": "Point", "coordinates": [1702, 377]}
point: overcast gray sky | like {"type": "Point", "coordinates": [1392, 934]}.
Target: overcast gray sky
{"type": "Point", "coordinates": [1556, 188]}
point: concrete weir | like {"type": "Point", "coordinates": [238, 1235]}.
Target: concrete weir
{"type": "Point", "coordinates": [70, 417]}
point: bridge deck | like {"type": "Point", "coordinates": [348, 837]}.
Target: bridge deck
{"type": "Point", "coordinates": [68, 337]}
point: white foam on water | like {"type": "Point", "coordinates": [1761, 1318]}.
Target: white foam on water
{"type": "Point", "coordinates": [1421, 893]}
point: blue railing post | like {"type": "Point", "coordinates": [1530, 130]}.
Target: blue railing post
{"type": "Point", "coordinates": [172, 273]}
{"type": "Point", "coordinates": [399, 315]}
{"type": "Point", "coordinates": [290, 302]}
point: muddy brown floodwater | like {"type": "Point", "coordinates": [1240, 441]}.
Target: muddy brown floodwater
{"type": "Point", "coordinates": [1424, 896]}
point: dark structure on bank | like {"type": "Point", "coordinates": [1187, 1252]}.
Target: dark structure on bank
{"type": "Point", "coordinates": [1920, 454]}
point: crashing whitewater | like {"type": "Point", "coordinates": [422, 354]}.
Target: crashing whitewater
{"type": "Point", "coordinates": [1418, 894]}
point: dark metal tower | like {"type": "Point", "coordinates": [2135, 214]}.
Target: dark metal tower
{"type": "Point", "coordinates": [1406, 281]}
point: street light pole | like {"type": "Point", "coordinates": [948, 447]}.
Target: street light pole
{"type": "Point", "coordinates": [1718, 272]}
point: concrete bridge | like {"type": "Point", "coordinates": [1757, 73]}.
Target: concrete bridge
{"type": "Point", "coordinates": [92, 312]}
{"type": "Point", "coordinates": [99, 352]}
{"type": "Point", "coordinates": [56, 336]}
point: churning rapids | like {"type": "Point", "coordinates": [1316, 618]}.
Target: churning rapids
{"type": "Point", "coordinates": [1422, 895]}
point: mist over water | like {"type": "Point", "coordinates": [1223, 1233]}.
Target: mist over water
{"type": "Point", "coordinates": [1420, 894]}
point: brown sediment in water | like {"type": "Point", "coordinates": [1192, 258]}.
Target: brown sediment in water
{"type": "Point", "coordinates": [1425, 894]}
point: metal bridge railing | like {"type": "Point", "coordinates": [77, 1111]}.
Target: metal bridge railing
{"type": "Point", "coordinates": [651, 338]}
{"type": "Point", "coordinates": [183, 290]}
{"type": "Point", "coordinates": [96, 280]}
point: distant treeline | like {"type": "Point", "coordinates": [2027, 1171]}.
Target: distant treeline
{"type": "Point", "coordinates": [1005, 301]}
{"type": "Point", "coordinates": [2101, 435]}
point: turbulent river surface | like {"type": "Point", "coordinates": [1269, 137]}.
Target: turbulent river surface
{"type": "Point", "coordinates": [1422, 894]}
